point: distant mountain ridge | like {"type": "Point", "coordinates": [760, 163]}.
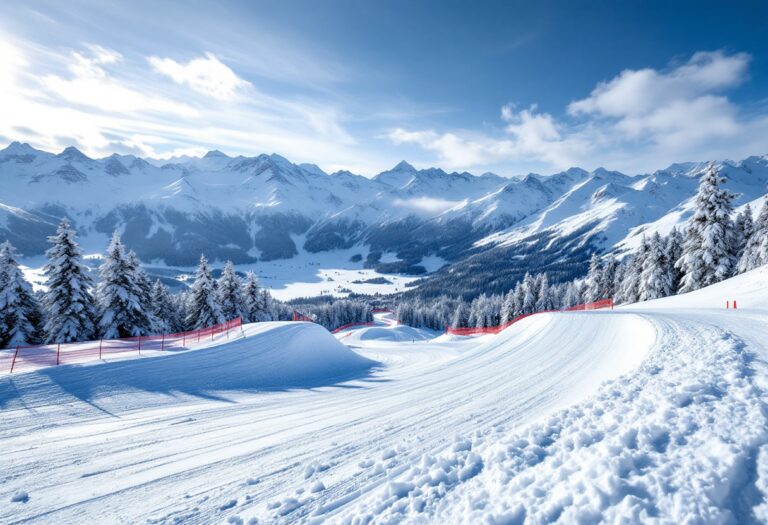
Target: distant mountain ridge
{"type": "Point", "coordinates": [266, 207]}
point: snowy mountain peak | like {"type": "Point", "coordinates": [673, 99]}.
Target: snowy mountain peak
{"type": "Point", "coordinates": [214, 153]}
{"type": "Point", "coordinates": [18, 148]}
{"type": "Point", "coordinates": [72, 154]}
{"type": "Point", "coordinates": [403, 166]}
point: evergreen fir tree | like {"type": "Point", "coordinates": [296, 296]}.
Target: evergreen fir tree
{"type": "Point", "coordinates": [461, 316]}
{"type": "Point", "coordinates": [571, 296]}
{"type": "Point", "coordinates": [70, 309]}
{"type": "Point", "coordinates": [120, 298]}
{"type": "Point", "coordinates": [743, 228]}
{"type": "Point", "coordinates": [655, 280]}
{"type": "Point", "coordinates": [674, 250]}
{"type": "Point", "coordinates": [529, 299]}
{"type": "Point", "coordinates": [630, 287]}
{"type": "Point", "coordinates": [21, 320]}
{"type": "Point", "coordinates": [230, 293]}
{"type": "Point", "coordinates": [594, 280]}
{"type": "Point", "coordinates": [756, 250]}
{"type": "Point", "coordinates": [203, 309]}
{"type": "Point", "coordinates": [608, 279]}
{"type": "Point", "coordinates": [508, 307]}
{"type": "Point", "coordinates": [545, 301]}
{"type": "Point", "coordinates": [165, 310]}
{"type": "Point", "coordinates": [144, 291]}
{"type": "Point", "coordinates": [519, 299]}
{"type": "Point", "coordinates": [251, 299]}
{"type": "Point", "coordinates": [708, 250]}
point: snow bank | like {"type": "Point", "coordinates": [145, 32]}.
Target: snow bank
{"type": "Point", "coordinates": [398, 333]}
{"type": "Point", "coordinates": [275, 355]}
{"type": "Point", "coordinates": [749, 290]}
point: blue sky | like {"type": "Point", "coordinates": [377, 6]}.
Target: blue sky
{"type": "Point", "coordinates": [510, 87]}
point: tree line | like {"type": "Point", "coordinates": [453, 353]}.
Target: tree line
{"type": "Point", "coordinates": [714, 245]}
{"type": "Point", "coordinates": [124, 302]}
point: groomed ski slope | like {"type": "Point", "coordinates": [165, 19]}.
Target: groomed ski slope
{"type": "Point", "coordinates": [650, 413]}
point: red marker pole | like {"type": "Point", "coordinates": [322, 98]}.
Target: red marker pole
{"type": "Point", "coordinates": [727, 304]}
{"type": "Point", "coordinates": [734, 304]}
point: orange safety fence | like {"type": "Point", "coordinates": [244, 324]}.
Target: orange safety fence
{"type": "Point", "coordinates": [25, 358]}
{"type": "Point", "coordinates": [596, 305]}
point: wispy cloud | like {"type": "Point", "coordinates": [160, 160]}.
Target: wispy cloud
{"type": "Point", "coordinates": [103, 102]}
{"type": "Point", "coordinates": [206, 75]}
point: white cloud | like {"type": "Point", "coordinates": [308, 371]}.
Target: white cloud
{"type": "Point", "coordinates": [206, 75]}
{"type": "Point", "coordinates": [427, 205]}
{"type": "Point", "coordinates": [639, 120]}
{"type": "Point", "coordinates": [104, 103]}
{"type": "Point", "coordinates": [531, 136]}
{"type": "Point", "coordinates": [91, 85]}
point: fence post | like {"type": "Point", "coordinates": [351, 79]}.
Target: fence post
{"type": "Point", "coordinates": [162, 344]}
{"type": "Point", "coordinates": [101, 343]}
{"type": "Point", "coordinates": [58, 353]}
{"type": "Point", "coordinates": [13, 363]}
{"type": "Point", "coordinates": [139, 345]}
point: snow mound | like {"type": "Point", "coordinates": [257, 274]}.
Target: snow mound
{"type": "Point", "coordinates": [749, 290]}
{"type": "Point", "coordinates": [399, 333]}
{"type": "Point", "coordinates": [276, 355]}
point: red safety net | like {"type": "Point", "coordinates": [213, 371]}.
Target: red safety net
{"type": "Point", "coordinates": [25, 358]}
{"type": "Point", "coordinates": [596, 305]}
{"type": "Point", "coordinates": [350, 325]}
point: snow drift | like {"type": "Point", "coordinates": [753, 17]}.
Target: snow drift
{"type": "Point", "coordinates": [276, 355]}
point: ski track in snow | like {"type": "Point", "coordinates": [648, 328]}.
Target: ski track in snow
{"type": "Point", "coordinates": [655, 413]}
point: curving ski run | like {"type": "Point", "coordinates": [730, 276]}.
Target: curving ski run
{"type": "Point", "coordinates": [648, 413]}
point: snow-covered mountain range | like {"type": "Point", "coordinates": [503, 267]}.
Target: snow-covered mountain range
{"type": "Point", "coordinates": [265, 208]}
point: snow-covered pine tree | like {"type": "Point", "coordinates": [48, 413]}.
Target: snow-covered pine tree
{"type": "Point", "coordinates": [230, 293]}
{"type": "Point", "coordinates": [165, 310]}
{"type": "Point", "coordinates": [743, 227]}
{"type": "Point", "coordinates": [756, 251]}
{"type": "Point", "coordinates": [594, 280]}
{"type": "Point", "coordinates": [708, 250]}
{"type": "Point", "coordinates": [119, 297]}
{"type": "Point", "coordinates": [269, 306]}
{"type": "Point", "coordinates": [508, 307]}
{"type": "Point", "coordinates": [630, 287]}
{"type": "Point", "coordinates": [69, 306]}
{"type": "Point", "coordinates": [608, 279]}
{"type": "Point", "coordinates": [519, 299]}
{"type": "Point", "coordinates": [21, 320]}
{"type": "Point", "coordinates": [545, 300]}
{"type": "Point", "coordinates": [674, 250]}
{"type": "Point", "coordinates": [655, 280]}
{"type": "Point", "coordinates": [154, 324]}
{"type": "Point", "coordinates": [202, 308]}
{"type": "Point", "coordinates": [251, 299]}
{"type": "Point", "coordinates": [461, 316]}
{"type": "Point", "coordinates": [529, 299]}
{"type": "Point", "coordinates": [571, 297]}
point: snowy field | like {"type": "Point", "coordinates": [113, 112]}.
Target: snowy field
{"type": "Point", "coordinates": [650, 413]}
{"type": "Point", "coordinates": [305, 275]}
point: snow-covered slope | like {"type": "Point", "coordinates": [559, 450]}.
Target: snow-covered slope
{"type": "Point", "coordinates": [649, 413]}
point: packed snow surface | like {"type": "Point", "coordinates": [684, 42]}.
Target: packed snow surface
{"type": "Point", "coordinates": [649, 413]}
